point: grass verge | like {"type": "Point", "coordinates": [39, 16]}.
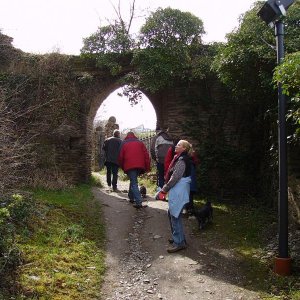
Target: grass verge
{"type": "Point", "coordinates": [63, 252]}
{"type": "Point", "coordinates": [247, 229]}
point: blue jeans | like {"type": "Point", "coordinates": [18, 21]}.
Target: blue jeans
{"type": "Point", "coordinates": [112, 174]}
{"type": "Point", "coordinates": [160, 176]}
{"type": "Point", "coordinates": [134, 192]}
{"type": "Point", "coordinates": [177, 230]}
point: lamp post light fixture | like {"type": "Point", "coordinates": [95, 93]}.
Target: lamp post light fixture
{"type": "Point", "coordinates": [273, 10]}
{"type": "Point", "coordinates": [272, 13]}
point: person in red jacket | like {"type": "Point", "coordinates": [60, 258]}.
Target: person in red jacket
{"type": "Point", "coordinates": [134, 159]}
{"type": "Point", "coordinates": [169, 156]}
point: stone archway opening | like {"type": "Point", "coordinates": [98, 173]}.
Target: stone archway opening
{"type": "Point", "coordinates": [117, 112]}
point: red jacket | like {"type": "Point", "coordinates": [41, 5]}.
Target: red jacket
{"type": "Point", "coordinates": [169, 156]}
{"type": "Point", "coordinates": [133, 154]}
{"type": "Point", "coordinates": [168, 159]}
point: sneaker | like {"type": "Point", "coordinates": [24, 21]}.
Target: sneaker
{"type": "Point", "coordinates": [137, 206]}
{"type": "Point", "coordinates": [171, 241]}
{"type": "Point", "coordinates": [115, 189]}
{"type": "Point", "coordinates": [131, 200]}
{"type": "Point", "coordinates": [174, 248]}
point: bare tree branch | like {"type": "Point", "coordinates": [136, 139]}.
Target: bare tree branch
{"type": "Point", "coordinates": [119, 15]}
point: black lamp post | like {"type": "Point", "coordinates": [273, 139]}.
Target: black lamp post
{"type": "Point", "coordinates": [272, 12]}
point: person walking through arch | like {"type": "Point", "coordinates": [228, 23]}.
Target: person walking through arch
{"type": "Point", "coordinates": [111, 147]}
{"type": "Point", "coordinates": [177, 185]}
{"type": "Point", "coordinates": [134, 159]}
{"type": "Point", "coordinates": [159, 147]}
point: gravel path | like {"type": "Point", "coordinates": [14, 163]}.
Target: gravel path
{"type": "Point", "coordinates": [139, 267]}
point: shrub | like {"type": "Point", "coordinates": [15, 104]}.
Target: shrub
{"type": "Point", "coordinates": [15, 211]}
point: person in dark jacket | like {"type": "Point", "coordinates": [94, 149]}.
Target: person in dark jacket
{"type": "Point", "coordinates": [111, 147]}
{"type": "Point", "coordinates": [160, 144]}
{"type": "Point", "coordinates": [134, 160]}
{"type": "Point", "coordinates": [190, 206]}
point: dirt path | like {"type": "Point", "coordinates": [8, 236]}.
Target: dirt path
{"type": "Point", "coordinates": [139, 267]}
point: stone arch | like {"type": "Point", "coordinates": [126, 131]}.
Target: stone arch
{"type": "Point", "coordinates": [116, 119]}
{"type": "Point", "coordinates": [100, 94]}
{"type": "Point", "coordinates": [64, 145]}
{"type": "Point", "coordinates": [98, 99]}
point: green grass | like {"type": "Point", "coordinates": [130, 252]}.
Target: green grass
{"type": "Point", "coordinates": [246, 228]}
{"type": "Point", "coordinates": [63, 250]}
{"type": "Point", "coordinates": [64, 256]}
{"type": "Point", "coordinates": [96, 179]}
{"type": "Point", "coordinates": [149, 181]}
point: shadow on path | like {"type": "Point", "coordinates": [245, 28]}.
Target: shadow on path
{"type": "Point", "coordinates": [139, 267]}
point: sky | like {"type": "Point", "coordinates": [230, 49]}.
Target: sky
{"type": "Point", "coordinates": [127, 116]}
{"type": "Point", "coordinates": [43, 26]}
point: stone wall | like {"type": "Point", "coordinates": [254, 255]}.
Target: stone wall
{"type": "Point", "coordinates": [201, 112]}
{"type": "Point", "coordinates": [204, 114]}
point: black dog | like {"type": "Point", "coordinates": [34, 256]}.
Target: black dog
{"type": "Point", "coordinates": [143, 191]}
{"type": "Point", "coordinates": [204, 215]}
